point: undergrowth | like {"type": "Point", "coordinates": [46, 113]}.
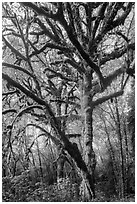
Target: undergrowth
{"type": "Point", "coordinates": [22, 188]}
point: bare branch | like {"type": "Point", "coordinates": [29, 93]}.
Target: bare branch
{"type": "Point", "coordinates": [73, 135]}
{"type": "Point", "coordinates": [117, 53]}
{"type": "Point", "coordinates": [122, 35]}
{"type": "Point", "coordinates": [45, 31]}
{"type": "Point", "coordinates": [54, 139]}
{"type": "Point", "coordinates": [30, 95]}
{"type": "Point", "coordinates": [11, 110]}
{"type": "Point", "coordinates": [99, 18]}
{"type": "Point", "coordinates": [84, 54]}
{"type": "Point", "coordinates": [109, 79]}
{"type": "Point", "coordinates": [49, 45]}
{"type": "Point", "coordinates": [18, 68]}
{"type": "Point", "coordinates": [105, 98]}
{"type": "Point", "coordinates": [121, 19]}
{"type": "Point", "coordinates": [57, 74]}
{"type": "Point", "coordinates": [40, 10]}
{"type": "Point", "coordinates": [10, 92]}
{"type": "Point", "coordinates": [69, 117]}
{"type": "Point", "coordinates": [16, 52]}
{"type": "Point", "coordinates": [25, 110]}
{"type": "Point", "coordinates": [76, 65]}
{"type": "Point", "coordinates": [110, 24]}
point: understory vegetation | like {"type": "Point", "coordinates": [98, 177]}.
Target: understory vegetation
{"type": "Point", "coordinates": [24, 188]}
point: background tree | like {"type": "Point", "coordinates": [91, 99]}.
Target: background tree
{"type": "Point", "coordinates": [61, 55]}
{"type": "Point", "coordinates": [113, 129]}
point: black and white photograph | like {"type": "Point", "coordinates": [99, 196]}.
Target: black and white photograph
{"type": "Point", "coordinates": [68, 101]}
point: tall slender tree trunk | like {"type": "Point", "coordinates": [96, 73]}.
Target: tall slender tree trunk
{"type": "Point", "coordinates": [61, 158]}
{"type": "Point", "coordinates": [126, 153]}
{"type": "Point", "coordinates": [60, 166]}
{"type": "Point", "coordinates": [112, 155]}
{"type": "Point", "coordinates": [88, 154]}
{"type": "Point", "coordinates": [121, 151]}
{"type": "Point", "coordinates": [40, 162]}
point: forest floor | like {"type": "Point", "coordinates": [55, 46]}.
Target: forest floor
{"type": "Point", "coordinates": [21, 189]}
{"type": "Point", "coordinates": [102, 196]}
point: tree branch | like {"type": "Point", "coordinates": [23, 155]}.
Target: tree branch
{"type": "Point", "coordinates": [57, 74]}
{"type": "Point", "coordinates": [110, 25]}
{"type": "Point", "coordinates": [84, 54]}
{"type": "Point", "coordinates": [121, 19]}
{"type": "Point", "coordinates": [73, 135]}
{"type": "Point", "coordinates": [70, 148]}
{"type": "Point", "coordinates": [105, 98]}
{"type": "Point", "coordinates": [69, 117]}
{"type": "Point", "coordinates": [18, 68]}
{"type": "Point", "coordinates": [60, 17]}
{"type": "Point", "coordinates": [108, 80]}
{"type": "Point", "coordinates": [45, 30]}
{"type": "Point", "coordinates": [56, 141]}
{"type": "Point", "coordinates": [49, 45]}
{"type": "Point", "coordinates": [98, 19]}
{"type": "Point", "coordinates": [75, 65]}
{"type": "Point", "coordinates": [10, 92]}
{"type": "Point", "coordinates": [40, 10]}
{"type": "Point", "coordinates": [16, 52]}
{"type": "Point", "coordinates": [9, 110]}
{"type": "Point", "coordinates": [25, 110]}
{"type": "Point", "coordinates": [117, 53]}
{"type": "Point", "coordinates": [30, 95]}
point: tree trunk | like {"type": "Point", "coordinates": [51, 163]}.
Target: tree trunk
{"type": "Point", "coordinates": [112, 155]}
{"type": "Point", "coordinates": [60, 165]}
{"type": "Point", "coordinates": [88, 154]}
{"type": "Point", "coordinates": [127, 160]}
{"type": "Point", "coordinates": [40, 162]}
{"type": "Point", "coordinates": [122, 184]}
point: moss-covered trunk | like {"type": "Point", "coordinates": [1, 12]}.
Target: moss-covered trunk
{"type": "Point", "coordinates": [88, 153]}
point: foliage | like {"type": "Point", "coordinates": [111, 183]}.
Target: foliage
{"type": "Point", "coordinates": [17, 188]}
{"type": "Point", "coordinates": [23, 189]}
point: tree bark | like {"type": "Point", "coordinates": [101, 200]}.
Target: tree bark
{"type": "Point", "coordinates": [60, 166]}
{"type": "Point", "coordinates": [121, 151]}
{"type": "Point", "coordinates": [88, 154]}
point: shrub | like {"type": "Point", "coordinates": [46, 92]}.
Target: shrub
{"type": "Point", "coordinates": [23, 189]}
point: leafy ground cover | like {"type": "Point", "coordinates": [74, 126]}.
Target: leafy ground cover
{"type": "Point", "coordinates": [23, 189]}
